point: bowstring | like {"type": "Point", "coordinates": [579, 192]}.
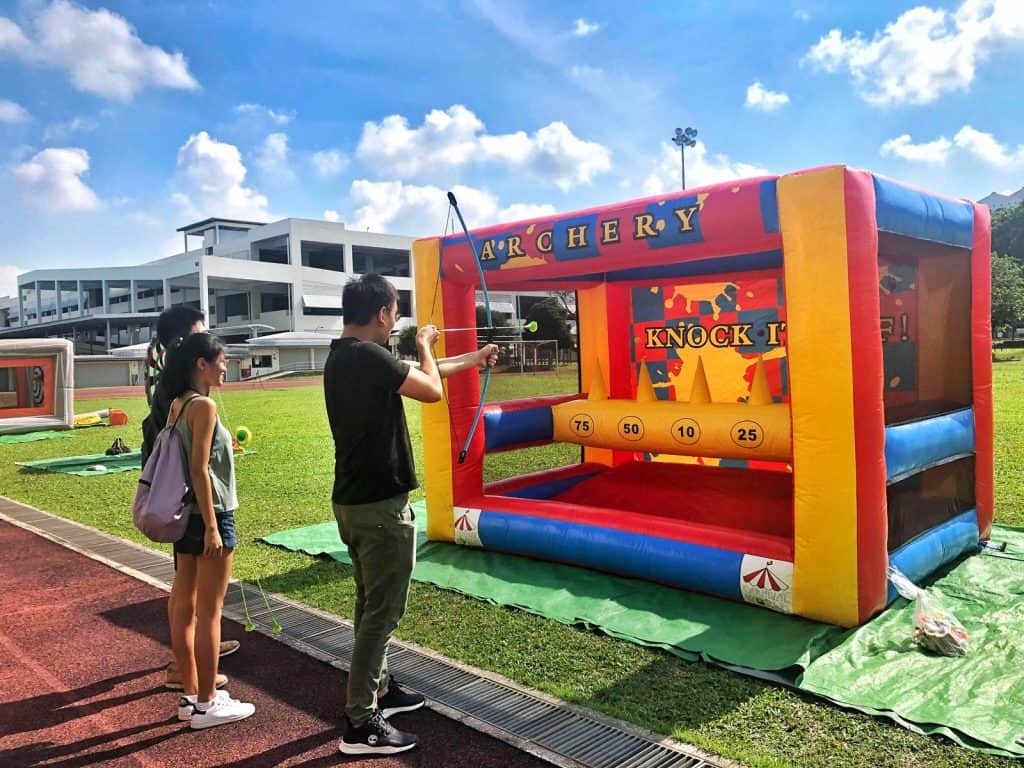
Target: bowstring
{"type": "Point", "coordinates": [449, 227]}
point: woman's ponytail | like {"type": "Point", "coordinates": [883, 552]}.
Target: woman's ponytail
{"type": "Point", "coordinates": [180, 361]}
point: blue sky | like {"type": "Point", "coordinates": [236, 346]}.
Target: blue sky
{"type": "Point", "coordinates": [121, 121]}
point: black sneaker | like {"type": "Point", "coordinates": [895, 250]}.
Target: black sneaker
{"type": "Point", "coordinates": [396, 700]}
{"type": "Point", "coordinates": [375, 737]}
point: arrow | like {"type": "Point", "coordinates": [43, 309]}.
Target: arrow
{"type": "Point", "coordinates": [530, 327]}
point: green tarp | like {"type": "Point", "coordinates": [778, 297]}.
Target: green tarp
{"type": "Point", "coordinates": [31, 437]}
{"type": "Point", "coordinates": [88, 466]}
{"type": "Point", "coordinates": [975, 700]}
{"type": "Point", "coordinates": [95, 464]}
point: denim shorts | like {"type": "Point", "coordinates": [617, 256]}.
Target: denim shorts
{"type": "Point", "coordinates": [192, 542]}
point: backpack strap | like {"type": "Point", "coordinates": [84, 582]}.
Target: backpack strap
{"type": "Point", "coordinates": [182, 409]}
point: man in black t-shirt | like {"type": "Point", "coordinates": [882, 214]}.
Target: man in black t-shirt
{"type": "Point", "coordinates": [373, 475]}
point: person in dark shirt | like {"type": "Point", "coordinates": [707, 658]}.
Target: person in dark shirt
{"type": "Point", "coordinates": [373, 475]}
{"type": "Point", "coordinates": [173, 325]}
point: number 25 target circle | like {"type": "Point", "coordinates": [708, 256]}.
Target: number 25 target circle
{"type": "Point", "coordinates": [631, 428]}
{"type": "Point", "coordinates": [747, 434]}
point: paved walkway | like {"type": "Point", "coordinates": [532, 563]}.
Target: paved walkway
{"type": "Point", "coordinates": [83, 649]}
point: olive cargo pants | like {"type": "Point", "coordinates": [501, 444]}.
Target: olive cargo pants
{"type": "Point", "coordinates": [381, 540]}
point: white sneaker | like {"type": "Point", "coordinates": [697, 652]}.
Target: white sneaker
{"type": "Point", "coordinates": [188, 703]}
{"type": "Point", "coordinates": [220, 711]}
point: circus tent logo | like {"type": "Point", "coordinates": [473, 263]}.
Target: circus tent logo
{"type": "Point", "coordinates": [467, 526]}
{"type": "Point", "coordinates": [767, 582]}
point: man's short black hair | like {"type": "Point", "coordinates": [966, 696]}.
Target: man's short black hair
{"type": "Point", "coordinates": [363, 298]}
{"type": "Point", "coordinates": [177, 322]}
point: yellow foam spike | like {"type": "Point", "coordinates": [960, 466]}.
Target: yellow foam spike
{"type": "Point", "coordinates": [597, 388]}
{"type": "Point", "coordinates": [700, 393]}
{"type": "Point", "coordinates": [644, 386]}
{"type": "Point", "coordinates": [760, 392]}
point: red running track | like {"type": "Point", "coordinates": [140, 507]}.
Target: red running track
{"type": "Point", "coordinates": [83, 648]}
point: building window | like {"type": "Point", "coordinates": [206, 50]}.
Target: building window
{"type": "Point", "coordinates": [323, 255]}
{"type": "Point", "coordinates": [273, 302]}
{"type": "Point", "coordinates": [333, 311]}
{"type": "Point", "coordinates": [263, 361]}
{"type": "Point", "coordinates": [405, 303]}
{"type": "Point", "coordinates": [384, 261]}
{"type": "Point", "coordinates": [273, 250]}
{"type": "Point", "coordinates": [237, 304]}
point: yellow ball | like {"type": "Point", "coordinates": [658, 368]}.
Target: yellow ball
{"type": "Point", "coordinates": [243, 435]}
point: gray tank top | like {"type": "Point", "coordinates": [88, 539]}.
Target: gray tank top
{"type": "Point", "coordinates": [221, 468]}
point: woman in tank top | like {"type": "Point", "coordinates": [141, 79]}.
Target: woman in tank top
{"type": "Point", "coordinates": [204, 554]}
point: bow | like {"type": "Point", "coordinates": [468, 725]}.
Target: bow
{"type": "Point", "coordinates": [487, 306]}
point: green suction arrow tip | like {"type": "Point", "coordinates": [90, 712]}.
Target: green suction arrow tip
{"type": "Point", "coordinates": [531, 326]}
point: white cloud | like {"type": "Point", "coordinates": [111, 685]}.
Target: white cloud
{"type": "Point", "coordinates": [924, 53]}
{"type": "Point", "coordinates": [602, 85]}
{"type": "Point", "coordinates": [759, 97]}
{"type": "Point", "coordinates": [12, 112]}
{"type": "Point", "coordinates": [456, 137]}
{"type": "Point", "coordinates": [272, 157]}
{"type": "Point", "coordinates": [701, 169]}
{"type": "Point", "coordinates": [521, 211]}
{"type": "Point", "coordinates": [51, 181]}
{"type": "Point", "coordinates": [582, 28]}
{"type": "Point", "coordinates": [329, 162]}
{"type": "Point", "coordinates": [931, 152]}
{"type": "Point", "coordinates": [331, 215]}
{"type": "Point", "coordinates": [983, 146]}
{"type": "Point", "coordinates": [9, 279]}
{"type": "Point", "coordinates": [260, 111]}
{"type": "Point", "coordinates": [211, 176]}
{"type": "Point", "coordinates": [392, 206]}
{"type": "Point", "coordinates": [12, 39]}
{"type": "Point", "coordinates": [987, 148]}
{"type": "Point", "coordinates": [63, 131]}
{"type": "Point", "coordinates": [801, 15]}
{"type": "Point", "coordinates": [99, 50]}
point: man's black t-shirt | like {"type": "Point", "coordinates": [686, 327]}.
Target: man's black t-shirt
{"type": "Point", "coordinates": [159, 408]}
{"type": "Point", "coordinates": [372, 454]}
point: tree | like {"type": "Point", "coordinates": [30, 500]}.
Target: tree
{"type": "Point", "coordinates": [407, 341]}
{"type": "Point", "coordinates": [552, 322]}
{"type": "Point", "coordinates": [1007, 292]}
{"type": "Point", "coordinates": [1008, 231]}
{"type": "Point", "coordinates": [568, 300]}
{"type": "Point", "coordinates": [498, 320]}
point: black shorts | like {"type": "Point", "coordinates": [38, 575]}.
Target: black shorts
{"type": "Point", "coordinates": [192, 541]}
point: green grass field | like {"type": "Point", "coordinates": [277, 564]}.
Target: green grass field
{"type": "Point", "coordinates": [287, 484]}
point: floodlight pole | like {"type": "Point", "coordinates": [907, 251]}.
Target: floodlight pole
{"type": "Point", "coordinates": [684, 139]}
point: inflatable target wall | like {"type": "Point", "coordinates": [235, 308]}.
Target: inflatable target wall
{"type": "Point", "coordinates": [785, 386]}
{"type": "Point", "coordinates": [36, 385]}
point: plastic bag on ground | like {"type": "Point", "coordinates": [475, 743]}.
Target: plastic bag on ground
{"type": "Point", "coordinates": [936, 630]}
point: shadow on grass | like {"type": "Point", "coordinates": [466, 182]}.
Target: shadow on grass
{"type": "Point", "coordinates": [666, 694]}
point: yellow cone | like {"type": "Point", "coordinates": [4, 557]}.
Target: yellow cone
{"type": "Point", "coordinates": [644, 386]}
{"type": "Point", "coordinates": [760, 392]}
{"type": "Point", "coordinates": [700, 392]}
{"type": "Point", "coordinates": [597, 388]}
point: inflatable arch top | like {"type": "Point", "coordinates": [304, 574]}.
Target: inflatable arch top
{"type": "Point", "coordinates": [36, 385]}
{"type": "Point", "coordinates": [785, 386]}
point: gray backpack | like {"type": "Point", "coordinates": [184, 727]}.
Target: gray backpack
{"type": "Point", "coordinates": [164, 498]}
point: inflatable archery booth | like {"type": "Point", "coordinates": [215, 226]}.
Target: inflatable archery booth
{"type": "Point", "coordinates": [36, 385]}
{"type": "Point", "coordinates": [785, 387]}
